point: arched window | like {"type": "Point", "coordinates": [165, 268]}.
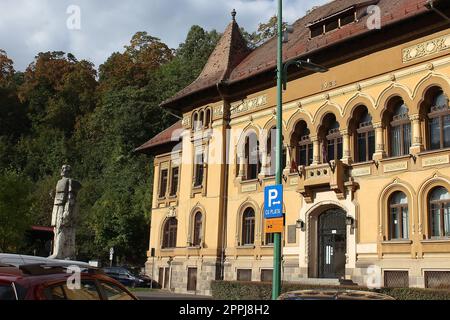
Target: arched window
{"type": "Point", "coordinates": [201, 119]}
{"type": "Point", "coordinates": [398, 216]}
{"type": "Point", "coordinates": [331, 139]}
{"type": "Point", "coordinates": [439, 211]}
{"type": "Point", "coordinates": [272, 151]}
{"type": "Point", "coordinates": [364, 134]}
{"type": "Point", "coordinates": [400, 130]}
{"type": "Point", "coordinates": [439, 121]}
{"type": "Point", "coordinates": [170, 233]}
{"type": "Point", "coordinates": [302, 144]}
{"type": "Point", "coordinates": [252, 157]}
{"type": "Point", "coordinates": [198, 221]}
{"type": "Point", "coordinates": [208, 118]}
{"type": "Point", "coordinates": [248, 227]}
{"type": "Point", "coordinates": [195, 121]}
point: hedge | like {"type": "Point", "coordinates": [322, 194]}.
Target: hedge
{"type": "Point", "coordinates": [239, 290]}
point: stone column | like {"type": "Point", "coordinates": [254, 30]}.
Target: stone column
{"type": "Point", "coordinates": [380, 151]}
{"type": "Point", "coordinates": [288, 157]}
{"type": "Point", "coordinates": [316, 150]}
{"type": "Point", "coordinates": [265, 164]}
{"type": "Point", "coordinates": [346, 153]}
{"type": "Point", "coordinates": [241, 169]}
{"type": "Point", "coordinates": [417, 141]}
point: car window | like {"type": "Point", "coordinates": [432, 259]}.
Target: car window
{"type": "Point", "coordinates": [7, 292]}
{"type": "Point", "coordinates": [88, 291]}
{"type": "Point", "coordinates": [114, 292]}
{"type": "Point", "coordinates": [55, 293]}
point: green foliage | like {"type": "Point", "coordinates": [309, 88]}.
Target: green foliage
{"type": "Point", "coordinates": [240, 290]}
{"type": "Point", "coordinates": [14, 214]}
{"type": "Point", "coordinates": [60, 111]}
{"type": "Point", "coordinates": [265, 32]}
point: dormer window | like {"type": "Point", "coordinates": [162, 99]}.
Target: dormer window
{"type": "Point", "coordinates": [333, 22]}
{"type": "Point", "coordinates": [339, 19]}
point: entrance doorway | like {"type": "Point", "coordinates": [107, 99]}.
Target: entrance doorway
{"type": "Point", "coordinates": [192, 279]}
{"type": "Point", "coordinates": [332, 244]}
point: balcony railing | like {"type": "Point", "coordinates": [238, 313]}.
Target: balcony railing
{"type": "Point", "coordinates": [332, 175]}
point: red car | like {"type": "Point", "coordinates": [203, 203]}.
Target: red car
{"type": "Point", "coordinates": [58, 282]}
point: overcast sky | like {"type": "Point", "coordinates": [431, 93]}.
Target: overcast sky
{"type": "Point", "coordinates": [105, 26]}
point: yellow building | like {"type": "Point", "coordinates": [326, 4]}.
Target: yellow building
{"type": "Point", "coordinates": [367, 154]}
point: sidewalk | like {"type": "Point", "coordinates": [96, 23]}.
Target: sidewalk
{"type": "Point", "coordinates": [167, 295]}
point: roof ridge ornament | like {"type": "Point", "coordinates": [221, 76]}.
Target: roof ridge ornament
{"type": "Point", "coordinates": [233, 14]}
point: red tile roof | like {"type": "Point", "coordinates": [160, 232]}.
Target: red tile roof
{"type": "Point", "coordinates": [229, 52]}
{"type": "Point", "coordinates": [171, 134]}
{"type": "Point", "coordinates": [232, 61]}
{"type": "Point", "coordinates": [264, 57]}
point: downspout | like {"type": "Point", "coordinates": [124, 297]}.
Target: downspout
{"type": "Point", "coordinates": [431, 6]}
{"type": "Point", "coordinates": [224, 206]}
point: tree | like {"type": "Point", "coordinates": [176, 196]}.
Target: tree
{"type": "Point", "coordinates": [14, 206]}
{"type": "Point", "coordinates": [58, 89]}
{"type": "Point", "coordinates": [264, 32]}
{"type": "Point", "coordinates": [6, 68]}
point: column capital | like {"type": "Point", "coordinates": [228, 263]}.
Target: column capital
{"type": "Point", "coordinates": [377, 125]}
{"type": "Point", "coordinates": [415, 117]}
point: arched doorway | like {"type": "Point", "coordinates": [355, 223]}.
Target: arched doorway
{"type": "Point", "coordinates": [332, 243]}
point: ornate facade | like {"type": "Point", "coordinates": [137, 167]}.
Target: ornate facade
{"type": "Point", "coordinates": [366, 149]}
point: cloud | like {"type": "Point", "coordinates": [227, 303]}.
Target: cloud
{"type": "Point", "coordinates": [28, 27]}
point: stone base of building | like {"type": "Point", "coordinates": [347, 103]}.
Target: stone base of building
{"type": "Point", "coordinates": [184, 275]}
{"type": "Point", "coordinates": [414, 273]}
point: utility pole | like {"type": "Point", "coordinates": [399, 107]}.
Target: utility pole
{"type": "Point", "coordinates": [276, 283]}
{"type": "Point", "coordinates": [282, 74]}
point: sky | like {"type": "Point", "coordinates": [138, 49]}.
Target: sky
{"type": "Point", "coordinates": [94, 29]}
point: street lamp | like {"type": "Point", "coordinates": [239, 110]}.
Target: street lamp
{"type": "Point", "coordinates": [281, 83]}
{"type": "Point", "coordinates": [305, 64]}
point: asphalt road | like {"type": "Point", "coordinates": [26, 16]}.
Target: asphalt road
{"type": "Point", "coordinates": [167, 295]}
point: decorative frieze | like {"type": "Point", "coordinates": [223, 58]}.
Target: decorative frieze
{"type": "Point", "coordinates": [426, 48]}
{"type": "Point", "coordinates": [248, 105]}
{"type": "Point", "coordinates": [435, 161]}
{"type": "Point", "coordinates": [294, 181]}
{"type": "Point", "coordinates": [218, 111]}
{"type": "Point", "coordinates": [249, 187]}
{"type": "Point", "coordinates": [186, 122]}
{"type": "Point", "coordinates": [397, 166]}
{"type": "Point", "coordinates": [360, 172]}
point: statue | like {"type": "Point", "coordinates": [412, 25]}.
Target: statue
{"type": "Point", "coordinates": [64, 216]}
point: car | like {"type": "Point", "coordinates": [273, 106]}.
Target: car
{"type": "Point", "coordinates": [333, 294]}
{"type": "Point", "coordinates": [19, 259]}
{"type": "Point", "coordinates": [58, 282]}
{"type": "Point", "coordinates": [129, 278]}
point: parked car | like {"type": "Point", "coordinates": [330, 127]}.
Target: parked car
{"type": "Point", "coordinates": [19, 259]}
{"type": "Point", "coordinates": [129, 278]}
{"type": "Point", "coordinates": [334, 294]}
{"type": "Point", "coordinates": [53, 282]}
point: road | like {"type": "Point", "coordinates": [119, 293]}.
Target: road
{"type": "Point", "coordinates": [167, 295]}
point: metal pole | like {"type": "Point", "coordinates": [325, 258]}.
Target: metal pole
{"type": "Point", "coordinates": [153, 272]}
{"type": "Point", "coordinates": [276, 284]}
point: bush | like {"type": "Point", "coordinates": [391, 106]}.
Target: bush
{"type": "Point", "coordinates": [238, 290]}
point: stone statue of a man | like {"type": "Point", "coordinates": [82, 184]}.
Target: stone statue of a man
{"type": "Point", "coordinates": [64, 216]}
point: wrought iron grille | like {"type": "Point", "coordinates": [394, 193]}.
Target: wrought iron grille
{"type": "Point", "coordinates": [437, 279]}
{"type": "Point", "coordinates": [396, 279]}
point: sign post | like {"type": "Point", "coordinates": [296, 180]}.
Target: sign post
{"type": "Point", "coordinates": [276, 283]}
{"type": "Point", "coordinates": [274, 223]}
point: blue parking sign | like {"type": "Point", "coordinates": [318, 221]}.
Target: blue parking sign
{"type": "Point", "coordinates": [273, 202]}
